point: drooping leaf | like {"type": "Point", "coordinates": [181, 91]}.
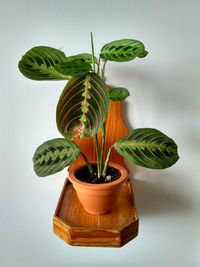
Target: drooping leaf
{"type": "Point", "coordinates": [73, 68]}
{"type": "Point", "coordinates": [39, 63]}
{"type": "Point", "coordinates": [123, 50]}
{"type": "Point", "coordinates": [83, 106]}
{"type": "Point", "coordinates": [87, 58]}
{"type": "Point", "coordinates": [148, 147]}
{"type": "Point", "coordinates": [54, 155]}
{"type": "Point", "coordinates": [118, 94]}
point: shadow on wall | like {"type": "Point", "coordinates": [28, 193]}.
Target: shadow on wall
{"type": "Point", "coordinates": [168, 99]}
{"type": "Point", "coordinates": [160, 192]}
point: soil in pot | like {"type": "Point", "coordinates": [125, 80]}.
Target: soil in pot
{"type": "Point", "coordinates": [84, 175]}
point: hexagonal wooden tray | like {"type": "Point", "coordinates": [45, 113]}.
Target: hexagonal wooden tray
{"type": "Point", "coordinates": [79, 228]}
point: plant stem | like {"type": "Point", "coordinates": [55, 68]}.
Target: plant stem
{"type": "Point", "coordinates": [103, 132]}
{"type": "Point", "coordinates": [98, 156]}
{"type": "Point", "coordinates": [92, 44]}
{"type": "Point", "coordinates": [103, 70]}
{"type": "Point", "coordinates": [88, 164]}
{"type": "Point", "coordinates": [99, 62]}
{"type": "Point", "coordinates": [107, 161]}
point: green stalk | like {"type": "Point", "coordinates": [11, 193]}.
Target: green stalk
{"type": "Point", "coordinates": [103, 70]}
{"type": "Point", "coordinates": [92, 44]}
{"type": "Point", "coordinates": [103, 167]}
{"type": "Point", "coordinates": [98, 156]}
{"type": "Point", "coordinates": [98, 68]}
{"type": "Point", "coordinates": [91, 171]}
{"type": "Point", "coordinates": [107, 161]}
{"type": "Point", "coordinates": [103, 132]}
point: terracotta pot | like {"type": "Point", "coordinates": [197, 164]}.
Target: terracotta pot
{"type": "Point", "coordinates": [98, 198]}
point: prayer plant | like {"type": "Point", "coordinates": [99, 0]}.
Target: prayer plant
{"type": "Point", "coordinates": [83, 107]}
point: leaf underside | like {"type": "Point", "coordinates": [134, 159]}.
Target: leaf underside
{"type": "Point", "coordinates": [148, 147]}
{"type": "Point", "coordinates": [83, 106]}
{"type": "Point", "coordinates": [39, 63]}
{"type": "Point", "coordinates": [123, 50]}
{"type": "Point", "coordinates": [54, 155]}
{"type": "Point", "coordinates": [118, 94]}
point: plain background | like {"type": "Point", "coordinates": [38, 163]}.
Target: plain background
{"type": "Point", "coordinates": [164, 94]}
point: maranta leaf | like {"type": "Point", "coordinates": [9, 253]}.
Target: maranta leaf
{"type": "Point", "coordinates": [123, 50]}
{"type": "Point", "coordinates": [39, 63]}
{"type": "Point", "coordinates": [54, 155]}
{"type": "Point", "coordinates": [118, 94]}
{"type": "Point", "coordinates": [87, 58]}
{"type": "Point", "coordinates": [73, 68]}
{"type": "Point", "coordinates": [83, 106]}
{"type": "Point", "coordinates": [148, 147]}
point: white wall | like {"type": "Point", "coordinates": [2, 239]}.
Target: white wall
{"type": "Point", "coordinates": [165, 94]}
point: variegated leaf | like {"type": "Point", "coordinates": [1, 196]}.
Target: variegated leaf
{"type": "Point", "coordinates": [123, 50]}
{"type": "Point", "coordinates": [73, 68]}
{"type": "Point", "coordinates": [87, 58]}
{"type": "Point", "coordinates": [149, 148]}
{"type": "Point", "coordinates": [83, 106]}
{"type": "Point", "coordinates": [39, 63]}
{"type": "Point", "coordinates": [118, 94]}
{"type": "Point", "coordinates": [54, 155]}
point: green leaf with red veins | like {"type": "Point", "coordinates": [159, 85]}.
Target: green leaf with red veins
{"type": "Point", "coordinates": [54, 155]}
{"type": "Point", "coordinates": [148, 148]}
{"type": "Point", "coordinates": [83, 106]}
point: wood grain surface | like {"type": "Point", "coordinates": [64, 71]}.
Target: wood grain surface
{"type": "Point", "coordinates": [77, 227]}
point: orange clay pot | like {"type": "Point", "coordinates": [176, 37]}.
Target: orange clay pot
{"type": "Point", "coordinates": [98, 198]}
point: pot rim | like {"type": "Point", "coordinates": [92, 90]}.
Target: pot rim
{"type": "Point", "coordinates": [120, 180]}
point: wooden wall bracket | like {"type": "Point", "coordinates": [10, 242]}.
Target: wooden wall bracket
{"type": "Point", "coordinates": [77, 227]}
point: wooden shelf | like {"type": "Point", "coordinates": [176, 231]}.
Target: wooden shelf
{"type": "Point", "coordinates": [79, 228]}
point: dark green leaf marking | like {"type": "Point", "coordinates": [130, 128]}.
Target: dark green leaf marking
{"type": "Point", "coordinates": [87, 58]}
{"type": "Point", "coordinates": [83, 106]}
{"type": "Point", "coordinates": [39, 63]}
{"type": "Point", "coordinates": [73, 68]}
{"type": "Point", "coordinates": [149, 148]}
{"type": "Point", "coordinates": [54, 155]}
{"type": "Point", "coordinates": [123, 50]}
{"type": "Point", "coordinates": [118, 94]}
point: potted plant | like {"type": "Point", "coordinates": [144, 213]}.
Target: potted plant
{"type": "Point", "coordinates": [82, 111]}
